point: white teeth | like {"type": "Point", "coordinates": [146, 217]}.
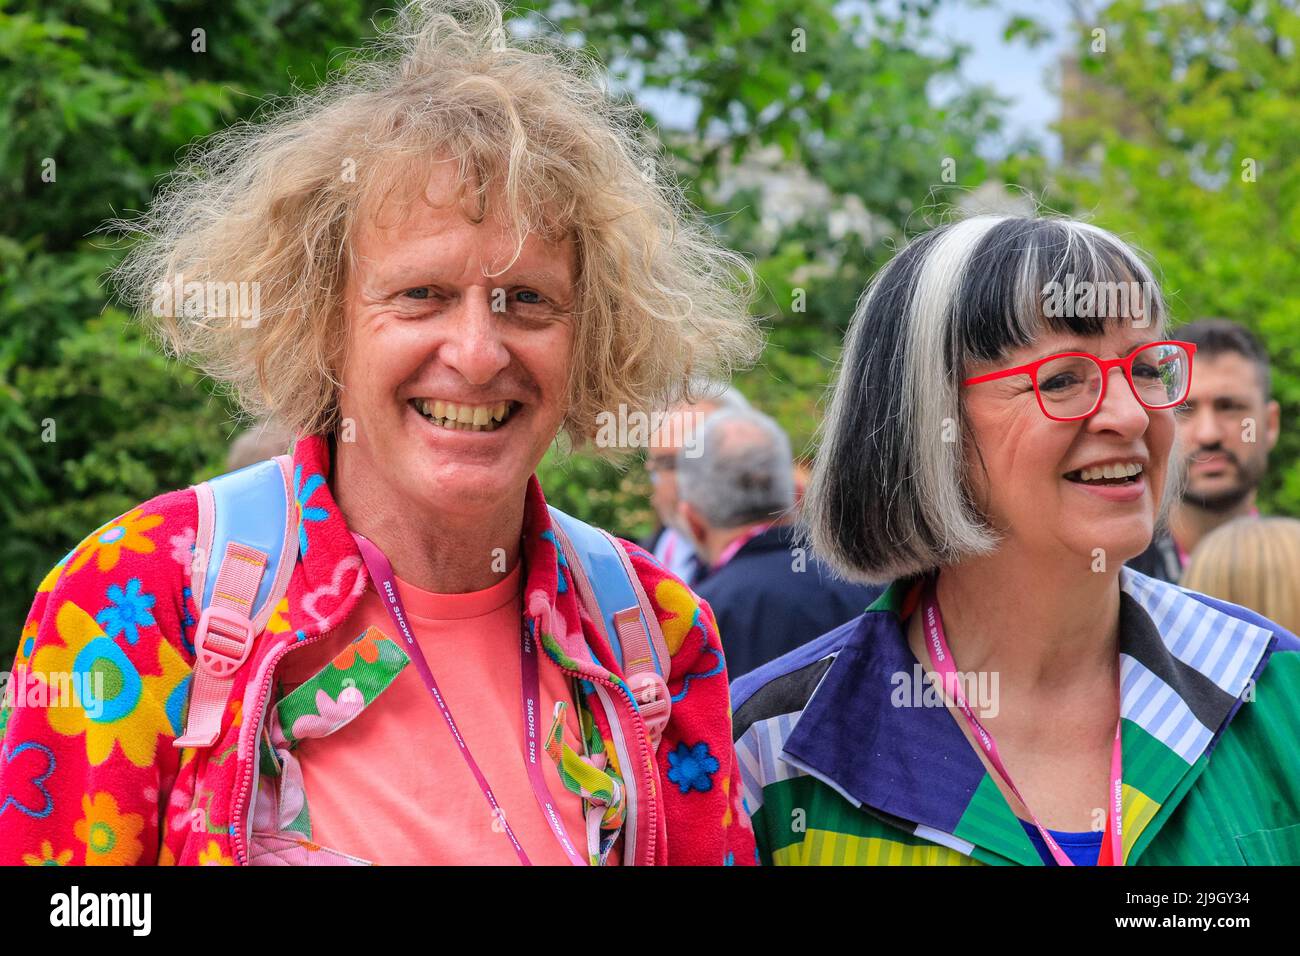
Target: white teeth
{"type": "Point", "coordinates": [1122, 470]}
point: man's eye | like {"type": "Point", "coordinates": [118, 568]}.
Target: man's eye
{"type": "Point", "coordinates": [421, 292]}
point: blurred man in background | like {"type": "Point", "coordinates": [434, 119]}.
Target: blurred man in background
{"type": "Point", "coordinates": [264, 440]}
{"type": "Point", "coordinates": [670, 544]}
{"type": "Point", "coordinates": [1226, 430]}
{"type": "Point", "coordinates": [767, 592]}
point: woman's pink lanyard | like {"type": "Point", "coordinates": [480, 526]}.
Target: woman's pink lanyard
{"type": "Point", "coordinates": [1112, 853]}
{"type": "Point", "coordinates": [381, 574]}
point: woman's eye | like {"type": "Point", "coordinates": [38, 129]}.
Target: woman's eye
{"type": "Point", "coordinates": [421, 292]}
{"type": "Point", "coordinates": [1145, 371]}
{"type": "Point", "coordinates": [1059, 382]}
{"type": "Point", "coordinates": [529, 297]}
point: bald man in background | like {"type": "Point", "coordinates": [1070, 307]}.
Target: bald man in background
{"type": "Point", "coordinates": [671, 545]}
{"type": "Point", "coordinates": [768, 593]}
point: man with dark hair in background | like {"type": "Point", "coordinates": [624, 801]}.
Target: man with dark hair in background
{"type": "Point", "coordinates": [1226, 429]}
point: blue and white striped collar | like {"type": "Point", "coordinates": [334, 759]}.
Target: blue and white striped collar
{"type": "Point", "coordinates": [1187, 662]}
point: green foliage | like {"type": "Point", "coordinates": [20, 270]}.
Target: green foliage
{"type": "Point", "coordinates": [98, 100]}
{"type": "Point", "coordinates": [842, 99]}
{"type": "Point", "coordinates": [609, 494]}
{"type": "Point", "coordinates": [1187, 143]}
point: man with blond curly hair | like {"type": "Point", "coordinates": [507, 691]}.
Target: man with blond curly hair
{"type": "Point", "coordinates": [452, 252]}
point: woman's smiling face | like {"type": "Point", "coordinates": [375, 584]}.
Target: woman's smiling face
{"type": "Point", "coordinates": [1019, 459]}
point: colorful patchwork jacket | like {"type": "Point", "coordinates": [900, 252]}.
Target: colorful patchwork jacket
{"type": "Point", "coordinates": [105, 785]}
{"type": "Point", "coordinates": [840, 769]}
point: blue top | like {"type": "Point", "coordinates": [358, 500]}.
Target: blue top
{"type": "Point", "coordinates": [767, 606]}
{"type": "Point", "coordinates": [1082, 848]}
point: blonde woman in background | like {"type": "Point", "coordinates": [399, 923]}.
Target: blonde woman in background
{"type": "Point", "coordinates": [1253, 562]}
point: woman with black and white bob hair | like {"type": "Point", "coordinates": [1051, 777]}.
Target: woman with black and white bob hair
{"type": "Point", "coordinates": [999, 443]}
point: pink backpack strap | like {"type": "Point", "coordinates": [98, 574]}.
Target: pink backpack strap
{"type": "Point", "coordinates": [611, 593]}
{"type": "Point", "coordinates": [247, 532]}
{"type": "Point", "coordinates": [642, 645]}
{"type": "Point", "coordinates": [222, 643]}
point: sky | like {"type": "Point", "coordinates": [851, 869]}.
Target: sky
{"type": "Point", "coordinates": [1025, 75]}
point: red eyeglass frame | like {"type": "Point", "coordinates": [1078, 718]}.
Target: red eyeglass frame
{"type": "Point", "coordinates": [1124, 362]}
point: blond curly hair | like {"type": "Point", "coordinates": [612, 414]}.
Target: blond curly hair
{"type": "Point", "coordinates": [660, 304]}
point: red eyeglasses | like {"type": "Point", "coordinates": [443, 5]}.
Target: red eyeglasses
{"type": "Point", "coordinates": [1072, 385]}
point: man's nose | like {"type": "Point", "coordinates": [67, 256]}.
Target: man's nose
{"type": "Point", "coordinates": [474, 346]}
{"type": "Point", "coordinates": [1201, 428]}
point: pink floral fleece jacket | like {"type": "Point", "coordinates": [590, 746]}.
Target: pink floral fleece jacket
{"type": "Point", "coordinates": [103, 784]}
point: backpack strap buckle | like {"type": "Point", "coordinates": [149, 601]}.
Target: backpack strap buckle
{"type": "Point", "coordinates": [653, 701]}
{"type": "Point", "coordinates": [648, 686]}
{"type": "Point", "coordinates": [223, 641]}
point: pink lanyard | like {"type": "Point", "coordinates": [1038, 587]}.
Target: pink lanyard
{"type": "Point", "coordinates": [730, 550]}
{"type": "Point", "coordinates": [671, 548]}
{"type": "Point", "coordinates": [381, 575]}
{"type": "Point", "coordinates": [1112, 853]}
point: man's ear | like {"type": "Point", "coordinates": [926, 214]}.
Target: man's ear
{"type": "Point", "coordinates": [693, 522]}
{"type": "Point", "coordinates": [1273, 416]}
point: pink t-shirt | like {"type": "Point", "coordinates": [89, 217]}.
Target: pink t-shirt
{"type": "Point", "coordinates": [392, 787]}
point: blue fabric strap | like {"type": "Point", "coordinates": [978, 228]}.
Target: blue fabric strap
{"type": "Point", "coordinates": [606, 573]}
{"type": "Point", "coordinates": [249, 507]}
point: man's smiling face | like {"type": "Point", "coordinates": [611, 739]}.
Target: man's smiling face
{"type": "Point", "coordinates": [458, 357]}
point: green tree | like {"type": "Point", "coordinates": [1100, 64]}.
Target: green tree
{"type": "Point", "coordinates": [99, 100]}
{"type": "Point", "coordinates": [1184, 136]}
{"type": "Point", "coordinates": [845, 100]}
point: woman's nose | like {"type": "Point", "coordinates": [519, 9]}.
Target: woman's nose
{"type": "Point", "coordinates": [1120, 409]}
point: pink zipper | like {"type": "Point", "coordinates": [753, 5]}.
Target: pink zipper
{"type": "Point", "coordinates": [647, 789]}
{"type": "Point", "coordinates": [237, 837]}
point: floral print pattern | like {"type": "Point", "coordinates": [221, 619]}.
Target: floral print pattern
{"type": "Point", "coordinates": [107, 544]}
{"type": "Point", "coordinates": [94, 777]}
{"type": "Point", "coordinates": [692, 768]}
{"type": "Point", "coordinates": [128, 610]}
{"type": "Point", "coordinates": [111, 837]}
{"type": "Point", "coordinates": [47, 856]}
{"type": "Point", "coordinates": [102, 695]}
